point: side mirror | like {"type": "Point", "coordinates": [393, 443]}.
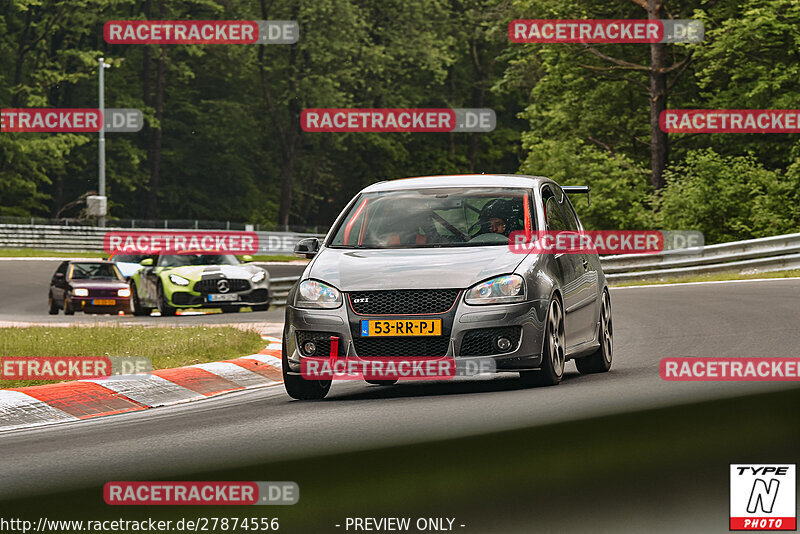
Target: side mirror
{"type": "Point", "coordinates": [147, 262]}
{"type": "Point", "coordinates": [307, 248]}
{"type": "Point", "coordinates": [247, 258]}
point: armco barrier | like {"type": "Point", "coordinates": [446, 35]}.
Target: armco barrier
{"type": "Point", "coordinates": [777, 253]}
{"type": "Point", "coordinates": [280, 288]}
{"type": "Point", "coordinates": [90, 238]}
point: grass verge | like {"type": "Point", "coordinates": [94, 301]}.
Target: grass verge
{"type": "Point", "coordinates": [717, 277]}
{"type": "Point", "coordinates": [165, 346]}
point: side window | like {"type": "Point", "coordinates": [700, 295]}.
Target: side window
{"type": "Point", "coordinates": [553, 216]}
{"type": "Point", "coordinates": [62, 268]}
{"type": "Point", "coordinates": [571, 216]}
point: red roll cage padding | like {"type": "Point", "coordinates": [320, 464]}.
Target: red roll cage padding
{"type": "Point", "coordinates": [527, 215]}
{"type": "Point", "coordinates": [352, 221]}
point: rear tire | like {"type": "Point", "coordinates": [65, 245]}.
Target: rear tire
{"type": "Point", "coordinates": [260, 307]}
{"type": "Point", "coordinates": [298, 387]}
{"type": "Point", "coordinates": [229, 309]}
{"type": "Point", "coordinates": [53, 306]}
{"type": "Point", "coordinates": [600, 360]}
{"type": "Point", "coordinates": [553, 350]}
{"type": "Point", "coordinates": [163, 306]}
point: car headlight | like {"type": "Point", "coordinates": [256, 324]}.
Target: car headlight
{"type": "Point", "coordinates": [500, 290]}
{"type": "Point", "coordinates": [178, 280]}
{"type": "Point", "coordinates": [313, 294]}
{"type": "Point", "coordinates": [259, 276]}
{"type": "Point", "coordinates": [80, 292]}
{"type": "Point", "coordinates": [124, 292]}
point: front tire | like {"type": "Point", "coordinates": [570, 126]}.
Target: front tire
{"type": "Point", "coordinates": [553, 350]}
{"type": "Point", "coordinates": [163, 306]}
{"type": "Point", "coordinates": [138, 309]}
{"type": "Point", "coordinates": [600, 360]}
{"type": "Point", "coordinates": [68, 307]}
{"type": "Point", "coordinates": [53, 306]}
{"type": "Point", "coordinates": [298, 387]}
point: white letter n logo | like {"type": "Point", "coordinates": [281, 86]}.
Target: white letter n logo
{"type": "Point", "coordinates": [763, 495]}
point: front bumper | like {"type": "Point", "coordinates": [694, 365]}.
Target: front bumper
{"type": "Point", "coordinates": [524, 319]}
{"type": "Point", "coordinates": [86, 304]}
{"type": "Point", "coordinates": [191, 299]}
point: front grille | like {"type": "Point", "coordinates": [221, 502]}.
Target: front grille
{"type": "Point", "coordinates": [259, 295]}
{"type": "Point", "coordinates": [210, 286]}
{"type": "Point", "coordinates": [481, 342]}
{"type": "Point", "coordinates": [322, 340]}
{"type": "Point", "coordinates": [102, 293]}
{"type": "Point", "coordinates": [406, 346]}
{"type": "Point", "coordinates": [181, 298]}
{"type": "Point", "coordinates": [403, 301]}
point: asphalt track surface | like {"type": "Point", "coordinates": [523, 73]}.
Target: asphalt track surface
{"type": "Point", "coordinates": [730, 319]}
{"type": "Point", "coordinates": [748, 318]}
{"type": "Point", "coordinates": [24, 284]}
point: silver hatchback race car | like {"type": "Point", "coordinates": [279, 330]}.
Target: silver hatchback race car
{"type": "Point", "coordinates": [408, 254]}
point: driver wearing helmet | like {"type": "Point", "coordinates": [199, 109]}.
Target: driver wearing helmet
{"type": "Point", "coordinates": [497, 216]}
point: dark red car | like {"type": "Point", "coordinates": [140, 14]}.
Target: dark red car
{"type": "Point", "coordinates": [89, 286]}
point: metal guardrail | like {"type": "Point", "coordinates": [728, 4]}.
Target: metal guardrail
{"type": "Point", "coordinates": [280, 288]}
{"type": "Point", "coordinates": [90, 238]}
{"type": "Point", "coordinates": [776, 253]}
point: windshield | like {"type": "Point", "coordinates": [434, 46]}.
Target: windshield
{"type": "Point", "coordinates": [197, 259]}
{"type": "Point", "coordinates": [95, 271]}
{"type": "Point", "coordinates": [447, 217]}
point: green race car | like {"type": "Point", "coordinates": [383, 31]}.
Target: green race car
{"type": "Point", "coordinates": [170, 281]}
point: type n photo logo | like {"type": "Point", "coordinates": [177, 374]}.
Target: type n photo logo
{"type": "Point", "coordinates": [763, 497]}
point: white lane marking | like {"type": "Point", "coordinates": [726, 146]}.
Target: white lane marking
{"type": "Point", "coordinates": [18, 410]}
{"type": "Point", "coordinates": [235, 373]}
{"type": "Point", "coordinates": [149, 390]}
{"type": "Point", "coordinates": [709, 282]}
{"type": "Point", "coordinates": [274, 361]}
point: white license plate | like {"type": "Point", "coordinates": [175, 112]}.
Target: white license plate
{"type": "Point", "coordinates": [222, 297]}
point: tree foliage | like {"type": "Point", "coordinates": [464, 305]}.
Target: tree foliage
{"type": "Point", "coordinates": [223, 139]}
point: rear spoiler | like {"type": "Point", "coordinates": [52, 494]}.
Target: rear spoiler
{"type": "Point", "coordinates": [579, 189]}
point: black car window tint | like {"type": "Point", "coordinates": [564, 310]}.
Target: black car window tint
{"type": "Point", "coordinates": [571, 216]}
{"type": "Point", "coordinates": [94, 271]}
{"type": "Point", "coordinates": [554, 218]}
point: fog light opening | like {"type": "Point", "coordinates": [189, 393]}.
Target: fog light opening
{"type": "Point", "coordinates": [309, 348]}
{"type": "Point", "coordinates": [503, 343]}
